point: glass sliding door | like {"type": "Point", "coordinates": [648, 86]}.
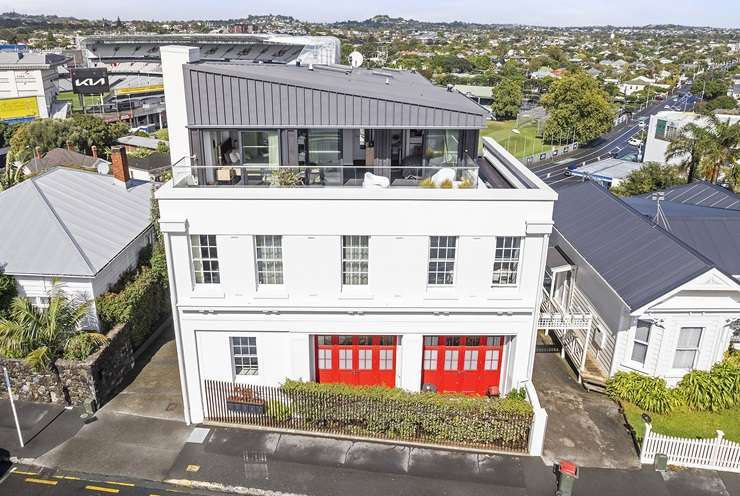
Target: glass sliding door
{"type": "Point", "coordinates": [260, 147]}
{"type": "Point", "coordinates": [325, 150]}
{"type": "Point", "coordinates": [441, 147]}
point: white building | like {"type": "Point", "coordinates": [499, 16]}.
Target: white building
{"type": "Point", "coordinates": [391, 283]}
{"type": "Point", "coordinates": [628, 295]}
{"type": "Point", "coordinates": [665, 125]}
{"type": "Point", "coordinates": [29, 84]}
{"type": "Point", "coordinates": [78, 228]}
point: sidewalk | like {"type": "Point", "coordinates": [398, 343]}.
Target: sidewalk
{"type": "Point", "coordinates": [257, 462]}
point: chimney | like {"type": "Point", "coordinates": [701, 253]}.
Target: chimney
{"type": "Point", "coordinates": [38, 152]}
{"type": "Point", "coordinates": [94, 150]}
{"type": "Point", "coordinates": [119, 164]}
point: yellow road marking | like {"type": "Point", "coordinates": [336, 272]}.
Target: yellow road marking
{"type": "Point", "coordinates": [42, 481]}
{"type": "Point", "coordinates": [127, 484]}
{"type": "Point", "coordinates": [66, 477]}
{"type": "Point", "coordinates": [102, 489]}
{"type": "Point", "coordinates": [23, 472]}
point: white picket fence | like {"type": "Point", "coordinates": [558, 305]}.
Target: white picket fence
{"type": "Point", "coordinates": [711, 454]}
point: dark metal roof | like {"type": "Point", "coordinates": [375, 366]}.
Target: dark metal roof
{"type": "Point", "coordinates": [151, 162]}
{"type": "Point", "coordinates": [703, 194]}
{"type": "Point", "coordinates": [713, 232]}
{"type": "Point", "coordinates": [252, 95]}
{"type": "Point", "coordinates": [62, 157]}
{"type": "Point", "coordinates": [638, 259]}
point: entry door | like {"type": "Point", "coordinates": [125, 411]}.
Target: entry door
{"type": "Point", "coordinates": [357, 360]}
{"type": "Point", "coordinates": [462, 364]}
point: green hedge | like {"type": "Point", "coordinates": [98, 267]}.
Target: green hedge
{"type": "Point", "coordinates": [700, 390]}
{"type": "Point", "coordinates": [424, 417]}
{"type": "Point", "coordinates": [141, 301]}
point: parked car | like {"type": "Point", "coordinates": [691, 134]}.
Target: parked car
{"type": "Point", "coordinates": [642, 124]}
{"type": "Point", "coordinates": [635, 141]}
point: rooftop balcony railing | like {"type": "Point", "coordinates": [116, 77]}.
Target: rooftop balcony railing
{"type": "Point", "coordinates": [462, 174]}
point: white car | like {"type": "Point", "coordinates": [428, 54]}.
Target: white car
{"type": "Point", "coordinates": [635, 142]}
{"type": "Point", "coordinates": [642, 124]}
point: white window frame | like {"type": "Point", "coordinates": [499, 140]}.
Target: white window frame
{"type": "Point", "coordinates": [274, 276]}
{"type": "Point", "coordinates": [385, 359]}
{"type": "Point", "coordinates": [251, 370]}
{"type": "Point", "coordinates": [639, 342]}
{"type": "Point", "coordinates": [195, 259]}
{"type": "Point", "coordinates": [695, 350]}
{"type": "Point", "coordinates": [492, 357]}
{"type": "Point", "coordinates": [325, 358]}
{"type": "Point", "coordinates": [508, 262]}
{"type": "Point", "coordinates": [430, 359]}
{"type": "Point", "coordinates": [359, 266]}
{"type": "Point", "coordinates": [440, 260]}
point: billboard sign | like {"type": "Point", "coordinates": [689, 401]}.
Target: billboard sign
{"type": "Point", "coordinates": [90, 81]}
{"type": "Point", "coordinates": [14, 110]}
{"type": "Point", "coordinates": [135, 90]}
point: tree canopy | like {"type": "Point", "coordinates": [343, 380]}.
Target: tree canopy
{"type": "Point", "coordinates": [651, 176]}
{"type": "Point", "coordinates": [507, 98]}
{"type": "Point", "coordinates": [577, 109]}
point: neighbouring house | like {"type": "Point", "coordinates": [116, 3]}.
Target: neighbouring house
{"type": "Point", "coordinates": [63, 157]}
{"type": "Point", "coordinates": [609, 172]}
{"type": "Point", "coordinates": [79, 228]}
{"type": "Point", "coordinates": [357, 269]}
{"type": "Point", "coordinates": [640, 83]}
{"type": "Point", "coordinates": [29, 85]}
{"type": "Point", "coordinates": [149, 168]}
{"type": "Point", "coordinates": [135, 143]}
{"type": "Point", "coordinates": [702, 194]}
{"type": "Point", "coordinates": [665, 125]}
{"type": "Point", "coordinates": [483, 95]}
{"type": "Point", "coordinates": [625, 294]}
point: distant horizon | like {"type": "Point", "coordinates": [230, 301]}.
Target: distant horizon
{"type": "Point", "coordinates": [717, 14]}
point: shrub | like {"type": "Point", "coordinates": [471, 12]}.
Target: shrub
{"type": "Point", "coordinates": [427, 183]}
{"type": "Point", "coordinates": [466, 184]}
{"type": "Point", "coordinates": [711, 391]}
{"type": "Point", "coordinates": [277, 410]}
{"type": "Point", "coordinates": [447, 184]}
{"type": "Point", "coordinates": [649, 393]}
{"type": "Point", "coordinates": [386, 412]}
{"type": "Point", "coordinates": [517, 394]}
{"type": "Point", "coordinates": [8, 291]}
{"type": "Point", "coordinates": [139, 300]}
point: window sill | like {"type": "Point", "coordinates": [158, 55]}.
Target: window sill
{"type": "Point", "coordinates": [441, 293]}
{"type": "Point", "coordinates": [355, 294]}
{"type": "Point", "coordinates": [271, 293]}
{"type": "Point", "coordinates": [208, 291]}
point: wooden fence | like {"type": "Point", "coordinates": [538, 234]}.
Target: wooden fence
{"type": "Point", "coordinates": [711, 454]}
{"type": "Point", "coordinates": [358, 416]}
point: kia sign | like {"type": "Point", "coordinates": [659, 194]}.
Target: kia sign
{"type": "Point", "coordinates": [90, 81]}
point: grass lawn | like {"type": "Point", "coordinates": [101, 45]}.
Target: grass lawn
{"type": "Point", "coordinates": [70, 97]}
{"type": "Point", "coordinates": [687, 423]}
{"type": "Point", "coordinates": [520, 145]}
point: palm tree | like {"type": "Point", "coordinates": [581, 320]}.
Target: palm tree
{"type": "Point", "coordinates": [11, 176]}
{"type": "Point", "coordinates": [43, 335]}
{"type": "Point", "coordinates": [687, 146]}
{"type": "Point", "coordinates": [721, 148]}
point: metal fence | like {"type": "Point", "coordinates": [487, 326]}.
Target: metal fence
{"type": "Point", "coordinates": [387, 418]}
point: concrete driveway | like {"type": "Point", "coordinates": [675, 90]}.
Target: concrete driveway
{"type": "Point", "coordinates": [586, 428]}
{"type": "Point", "coordinates": [154, 387]}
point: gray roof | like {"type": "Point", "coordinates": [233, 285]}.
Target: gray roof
{"type": "Point", "coordinates": [713, 232]}
{"type": "Point", "coordinates": [30, 60]}
{"type": "Point", "coordinates": [607, 169]}
{"type": "Point", "coordinates": [703, 194]}
{"type": "Point", "coordinates": [251, 94]}
{"type": "Point", "coordinates": [61, 156]}
{"type": "Point", "coordinates": [141, 141]}
{"type": "Point", "coordinates": [69, 222]}
{"type": "Point", "coordinates": [151, 162]}
{"type": "Point", "coordinates": [639, 260]}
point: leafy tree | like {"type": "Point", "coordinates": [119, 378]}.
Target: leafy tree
{"type": "Point", "coordinates": [577, 108]}
{"type": "Point", "coordinates": [88, 130]}
{"type": "Point", "coordinates": [507, 98]}
{"type": "Point", "coordinates": [651, 176]}
{"type": "Point", "coordinates": [8, 291]}
{"type": "Point", "coordinates": [713, 84]}
{"type": "Point", "coordinates": [723, 102]}
{"type": "Point", "coordinates": [43, 335]}
{"type": "Point", "coordinates": [162, 134]}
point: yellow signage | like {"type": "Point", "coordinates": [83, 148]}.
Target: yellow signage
{"type": "Point", "coordinates": [139, 89]}
{"type": "Point", "coordinates": [19, 109]}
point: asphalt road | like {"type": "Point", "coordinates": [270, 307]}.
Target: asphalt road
{"type": "Point", "coordinates": [33, 481]}
{"type": "Point", "coordinates": [614, 143]}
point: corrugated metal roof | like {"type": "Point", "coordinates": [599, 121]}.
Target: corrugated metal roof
{"type": "Point", "coordinates": [250, 94]}
{"type": "Point", "coordinates": [69, 222]}
{"type": "Point", "coordinates": [639, 260]}
{"type": "Point", "coordinates": [713, 232]}
{"type": "Point", "coordinates": [703, 194]}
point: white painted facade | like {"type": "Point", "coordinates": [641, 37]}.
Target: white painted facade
{"type": "Point", "coordinates": [39, 83]}
{"type": "Point", "coordinates": [397, 301]}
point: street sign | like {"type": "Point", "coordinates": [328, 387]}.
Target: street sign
{"type": "Point", "coordinates": [90, 81]}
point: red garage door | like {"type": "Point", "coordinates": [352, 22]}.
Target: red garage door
{"type": "Point", "coordinates": [463, 364]}
{"type": "Point", "coordinates": [359, 360]}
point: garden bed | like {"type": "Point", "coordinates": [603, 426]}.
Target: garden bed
{"type": "Point", "coordinates": [684, 422]}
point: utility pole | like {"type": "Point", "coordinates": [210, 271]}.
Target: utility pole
{"type": "Point", "coordinates": [12, 406]}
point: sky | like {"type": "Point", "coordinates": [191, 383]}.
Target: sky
{"type": "Point", "coordinates": [717, 13]}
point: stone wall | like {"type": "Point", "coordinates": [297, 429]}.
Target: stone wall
{"type": "Point", "coordinates": [95, 378]}
{"type": "Point", "coordinates": [101, 373]}
{"type": "Point", "coordinates": [29, 385]}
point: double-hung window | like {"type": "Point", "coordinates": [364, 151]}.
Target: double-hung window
{"type": "Point", "coordinates": [506, 261]}
{"type": "Point", "coordinates": [244, 354]}
{"type": "Point", "coordinates": [641, 341]}
{"type": "Point", "coordinates": [442, 251]}
{"type": "Point", "coordinates": [269, 250]}
{"type": "Point", "coordinates": [355, 260]}
{"type": "Point", "coordinates": [205, 258]}
{"type": "Point", "coordinates": [687, 348]}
